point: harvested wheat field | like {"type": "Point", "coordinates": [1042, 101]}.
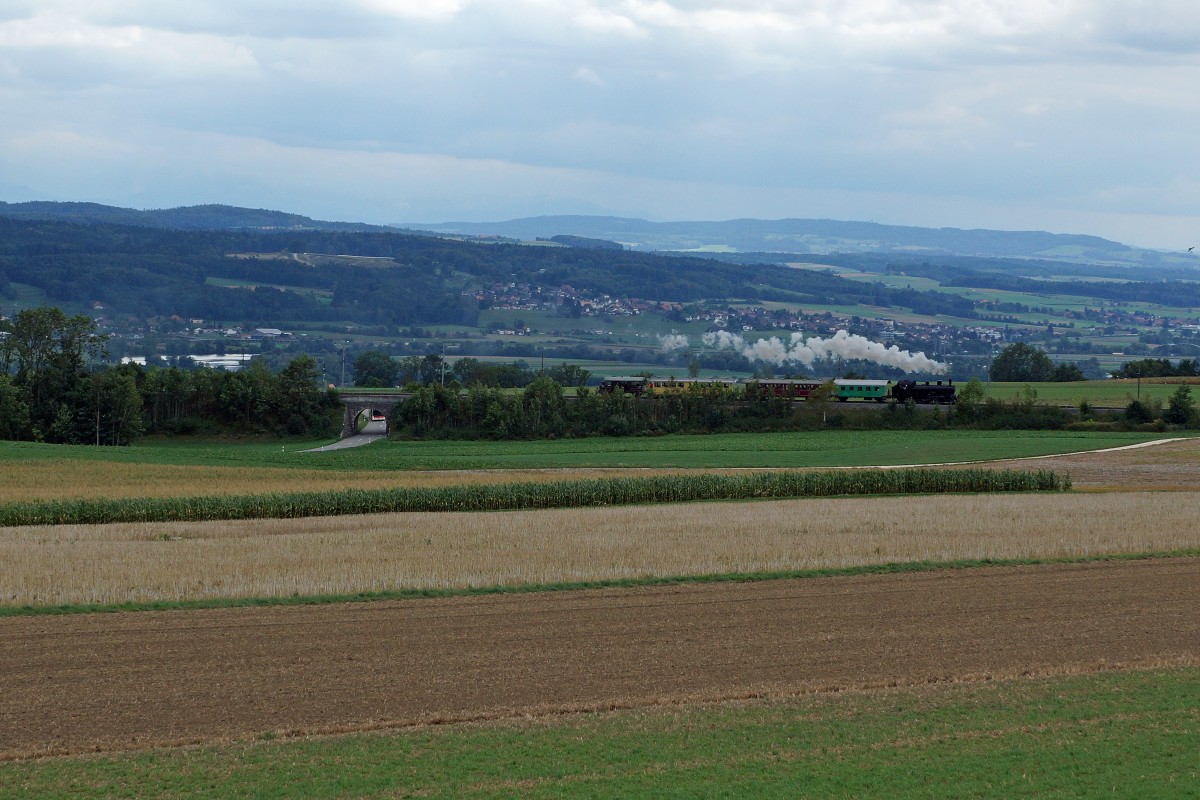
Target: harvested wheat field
{"type": "Point", "coordinates": [85, 682]}
{"type": "Point", "coordinates": [139, 562]}
{"type": "Point", "coordinates": [1166, 466]}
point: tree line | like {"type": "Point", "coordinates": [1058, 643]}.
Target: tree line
{"type": "Point", "coordinates": [1159, 368]}
{"type": "Point", "coordinates": [1024, 363]}
{"type": "Point", "coordinates": [375, 369]}
{"type": "Point", "coordinates": [51, 390]}
{"type": "Point", "coordinates": [542, 410]}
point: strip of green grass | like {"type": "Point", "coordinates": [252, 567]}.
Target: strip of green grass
{"type": "Point", "coordinates": [889, 568]}
{"type": "Point", "coordinates": [833, 448]}
{"type": "Point", "coordinates": [1116, 734]}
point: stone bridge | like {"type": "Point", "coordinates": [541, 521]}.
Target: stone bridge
{"type": "Point", "coordinates": [359, 403]}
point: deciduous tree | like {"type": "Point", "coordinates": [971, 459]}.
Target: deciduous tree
{"type": "Point", "coordinates": [375, 368]}
{"type": "Point", "coordinates": [1022, 363]}
{"type": "Point", "coordinates": [1181, 409]}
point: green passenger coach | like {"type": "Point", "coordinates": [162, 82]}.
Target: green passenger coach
{"type": "Point", "coordinates": [853, 389]}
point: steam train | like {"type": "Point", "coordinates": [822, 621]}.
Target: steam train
{"type": "Point", "coordinates": [844, 389]}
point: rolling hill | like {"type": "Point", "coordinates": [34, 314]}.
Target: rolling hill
{"type": "Point", "coordinates": [818, 237]}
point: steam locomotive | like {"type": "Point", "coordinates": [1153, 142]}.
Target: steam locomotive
{"type": "Point", "coordinates": [844, 389]}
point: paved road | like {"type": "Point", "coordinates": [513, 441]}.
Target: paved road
{"type": "Point", "coordinates": [373, 432]}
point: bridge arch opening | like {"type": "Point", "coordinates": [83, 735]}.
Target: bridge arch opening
{"type": "Point", "coordinates": [367, 414]}
{"type": "Point", "coordinates": [372, 420]}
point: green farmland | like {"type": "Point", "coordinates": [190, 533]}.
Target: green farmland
{"type": "Point", "coordinates": [1100, 394]}
{"type": "Point", "coordinates": [763, 450]}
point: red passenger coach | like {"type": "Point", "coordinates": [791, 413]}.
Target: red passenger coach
{"type": "Point", "coordinates": [781, 388]}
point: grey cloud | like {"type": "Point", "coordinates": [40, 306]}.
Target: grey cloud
{"type": "Point", "coordinates": [274, 19]}
{"type": "Point", "coordinates": [1162, 26]}
{"type": "Point", "coordinates": [723, 108]}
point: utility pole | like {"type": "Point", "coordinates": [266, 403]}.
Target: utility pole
{"type": "Point", "coordinates": [95, 384]}
{"type": "Point", "coordinates": [987, 392]}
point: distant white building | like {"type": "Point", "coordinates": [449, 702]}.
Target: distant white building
{"type": "Point", "coordinates": [230, 362]}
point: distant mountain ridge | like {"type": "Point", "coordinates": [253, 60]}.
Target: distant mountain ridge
{"type": "Point", "coordinates": [804, 237]}
{"type": "Point", "coordinates": [799, 237]}
{"type": "Point", "coordinates": [184, 218]}
{"type": "Point", "coordinates": [392, 278]}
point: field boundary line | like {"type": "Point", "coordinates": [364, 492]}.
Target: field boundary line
{"type": "Point", "coordinates": [501, 716]}
{"type": "Point", "coordinates": [1020, 458]}
{"type": "Point", "coordinates": [874, 466]}
{"type": "Point", "coordinates": [888, 568]}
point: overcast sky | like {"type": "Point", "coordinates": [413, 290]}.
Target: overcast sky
{"type": "Point", "coordinates": [1065, 115]}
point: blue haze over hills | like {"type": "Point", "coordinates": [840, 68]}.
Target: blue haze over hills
{"type": "Point", "coordinates": [783, 236]}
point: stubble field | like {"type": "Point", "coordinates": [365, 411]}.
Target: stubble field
{"type": "Point", "coordinates": [378, 553]}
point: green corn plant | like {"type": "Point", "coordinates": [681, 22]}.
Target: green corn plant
{"type": "Point", "coordinates": [516, 496]}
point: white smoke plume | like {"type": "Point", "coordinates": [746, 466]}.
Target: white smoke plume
{"type": "Point", "coordinates": [799, 350]}
{"type": "Point", "coordinates": [673, 341]}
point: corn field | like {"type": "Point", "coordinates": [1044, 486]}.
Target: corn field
{"type": "Point", "coordinates": [518, 496]}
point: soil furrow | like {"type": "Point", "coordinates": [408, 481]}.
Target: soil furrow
{"type": "Point", "coordinates": [83, 682]}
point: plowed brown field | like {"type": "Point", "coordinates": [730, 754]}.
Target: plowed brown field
{"type": "Point", "coordinates": [136, 680]}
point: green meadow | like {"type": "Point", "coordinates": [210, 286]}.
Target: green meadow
{"type": "Point", "coordinates": [765, 450]}
{"type": "Point", "coordinates": [1100, 394]}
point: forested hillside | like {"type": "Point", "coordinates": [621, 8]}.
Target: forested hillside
{"type": "Point", "coordinates": [287, 275]}
{"type": "Point", "coordinates": [206, 217]}
{"type": "Point", "coordinates": [809, 236]}
{"type": "Point", "coordinates": [415, 279]}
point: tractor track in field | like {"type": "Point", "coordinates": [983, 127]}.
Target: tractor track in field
{"type": "Point", "coordinates": [91, 682]}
